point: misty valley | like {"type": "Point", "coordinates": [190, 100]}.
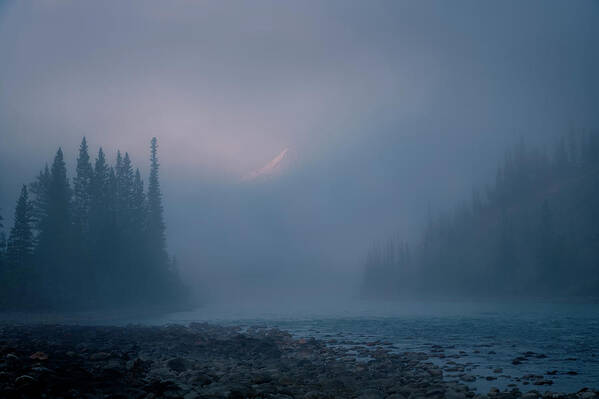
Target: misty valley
{"type": "Point", "coordinates": [389, 199]}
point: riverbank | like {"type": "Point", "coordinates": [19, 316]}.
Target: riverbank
{"type": "Point", "coordinates": [208, 361]}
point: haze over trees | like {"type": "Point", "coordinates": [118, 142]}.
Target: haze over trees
{"type": "Point", "coordinates": [533, 233]}
{"type": "Point", "coordinates": [96, 243]}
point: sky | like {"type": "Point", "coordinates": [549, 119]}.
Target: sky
{"type": "Point", "coordinates": [382, 110]}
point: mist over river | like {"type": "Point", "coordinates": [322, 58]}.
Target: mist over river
{"type": "Point", "coordinates": [496, 343]}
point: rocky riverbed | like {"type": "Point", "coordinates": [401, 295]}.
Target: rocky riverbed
{"type": "Point", "coordinates": [207, 361]}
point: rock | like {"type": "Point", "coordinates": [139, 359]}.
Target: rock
{"type": "Point", "coordinates": [261, 378]}
{"type": "Point", "coordinates": [139, 365]}
{"type": "Point", "coordinates": [99, 356]}
{"type": "Point", "coordinates": [239, 391]}
{"type": "Point", "coordinates": [178, 364]}
{"type": "Point", "coordinates": [399, 396]}
{"type": "Point", "coordinates": [315, 395]}
{"type": "Point", "coordinates": [38, 356]}
{"type": "Point", "coordinates": [13, 361]}
{"type": "Point", "coordinates": [370, 394]}
{"type": "Point", "coordinates": [159, 388]}
{"type": "Point", "coordinates": [435, 392]}
{"type": "Point", "coordinates": [24, 380]}
{"type": "Point", "coordinates": [451, 394]}
{"type": "Point", "coordinates": [531, 395]}
{"type": "Point", "coordinates": [434, 372]}
{"type": "Point", "coordinates": [201, 379]}
{"type": "Point", "coordinates": [28, 385]}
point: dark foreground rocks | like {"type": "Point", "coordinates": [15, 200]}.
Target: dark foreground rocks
{"type": "Point", "coordinates": [206, 361]}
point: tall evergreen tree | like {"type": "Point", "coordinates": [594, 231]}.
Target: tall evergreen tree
{"type": "Point", "coordinates": [40, 189]}
{"type": "Point", "coordinates": [20, 241]}
{"type": "Point", "coordinates": [138, 242]}
{"type": "Point", "coordinates": [82, 190]}
{"type": "Point", "coordinates": [82, 197]}
{"type": "Point", "coordinates": [138, 205]}
{"type": "Point", "coordinates": [2, 243]}
{"type": "Point", "coordinates": [124, 188]}
{"type": "Point", "coordinates": [124, 191]}
{"type": "Point", "coordinates": [54, 240]}
{"type": "Point", "coordinates": [101, 226]}
{"type": "Point", "coordinates": [155, 223]}
{"type": "Point", "coordinates": [3, 272]}
{"type": "Point", "coordinates": [19, 253]}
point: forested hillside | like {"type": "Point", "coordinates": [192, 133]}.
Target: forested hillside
{"type": "Point", "coordinates": [98, 242]}
{"type": "Point", "coordinates": [534, 233]}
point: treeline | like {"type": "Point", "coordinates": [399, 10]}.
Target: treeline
{"type": "Point", "coordinates": [96, 243]}
{"type": "Point", "coordinates": [533, 233]}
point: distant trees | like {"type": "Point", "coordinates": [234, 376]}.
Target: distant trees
{"type": "Point", "coordinates": [99, 243]}
{"type": "Point", "coordinates": [19, 248]}
{"type": "Point", "coordinates": [534, 233]}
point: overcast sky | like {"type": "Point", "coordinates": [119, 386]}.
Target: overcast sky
{"type": "Point", "coordinates": [386, 107]}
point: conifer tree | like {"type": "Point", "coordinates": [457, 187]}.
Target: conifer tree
{"type": "Point", "coordinates": [82, 190]}
{"type": "Point", "coordinates": [155, 223]}
{"type": "Point", "coordinates": [138, 205]}
{"type": "Point", "coordinates": [126, 239]}
{"type": "Point", "coordinates": [82, 197]}
{"type": "Point", "coordinates": [20, 241]}
{"type": "Point", "coordinates": [54, 249]}
{"type": "Point", "coordinates": [40, 190]}
{"type": "Point", "coordinates": [99, 217]}
{"type": "Point", "coordinates": [19, 254]}
{"type": "Point", "coordinates": [3, 272]}
{"type": "Point", "coordinates": [2, 243]}
{"type": "Point", "coordinates": [124, 191]}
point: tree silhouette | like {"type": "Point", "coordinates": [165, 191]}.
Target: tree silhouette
{"type": "Point", "coordinates": [100, 244]}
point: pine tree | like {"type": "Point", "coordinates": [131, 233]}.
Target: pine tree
{"type": "Point", "coordinates": [20, 241]}
{"type": "Point", "coordinates": [126, 240]}
{"type": "Point", "coordinates": [2, 244]}
{"type": "Point", "coordinates": [155, 223]}
{"type": "Point", "coordinates": [124, 192]}
{"type": "Point", "coordinates": [101, 227]}
{"type": "Point", "coordinates": [40, 189]}
{"type": "Point", "coordinates": [54, 250]}
{"type": "Point", "coordinates": [82, 197]}
{"type": "Point", "coordinates": [99, 187]}
{"type": "Point", "coordinates": [158, 280]}
{"type": "Point", "coordinates": [82, 191]}
{"type": "Point", "coordinates": [137, 244]}
{"type": "Point", "coordinates": [138, 205]}
{"type": "Point", "coordinates": [3, 272]}
{"type": "Point", "coordinates": [19, 253]}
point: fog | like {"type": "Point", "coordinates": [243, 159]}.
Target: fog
{"type": "Point", "coordinates": [388, 110]}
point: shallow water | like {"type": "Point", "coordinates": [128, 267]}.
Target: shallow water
{"type": "Point", "coordinates": [483, 337]}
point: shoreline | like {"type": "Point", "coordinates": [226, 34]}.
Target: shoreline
{"type": "Point", "coordinates": [209, 361]}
